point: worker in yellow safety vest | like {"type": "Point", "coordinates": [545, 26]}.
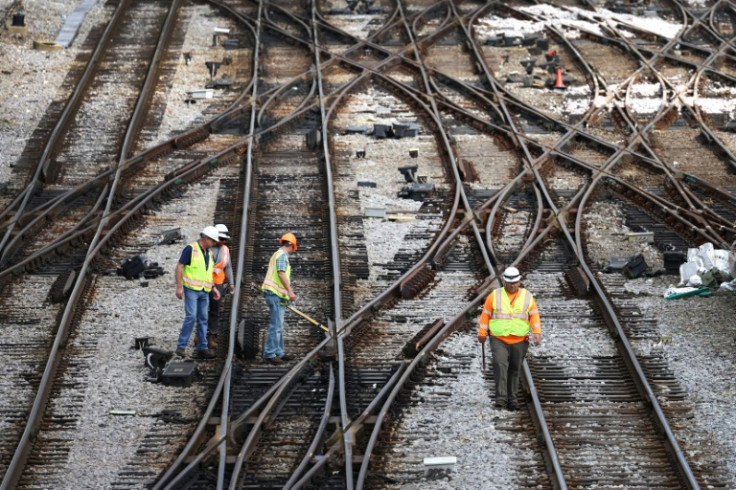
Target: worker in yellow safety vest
{"type": "Point", "coordinates": [222, 274]}
{"type": "Point", "coordinates": [510, 313]}
{"type": "Point", "coordinates": [277, 286]}
{"type": "Point", "coordinates": [193, 285]}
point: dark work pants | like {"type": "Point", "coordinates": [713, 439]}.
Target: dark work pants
{"type": "Point", "coordinates": [215, 310]}
{"type": "Point", "coordinates": [507, 360]}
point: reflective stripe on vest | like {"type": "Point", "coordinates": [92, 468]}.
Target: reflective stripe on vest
{"type": "Point", "coordinates": [272, 282]}
{"type": "Point", "coordinates": [218, 276]}
{"type": "Point", "coordinates": [196, 275]}
{"type": "Point", "coordinates": [507, 319]}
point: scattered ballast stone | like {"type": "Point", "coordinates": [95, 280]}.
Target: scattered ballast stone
{"type": "Point", "coordinates": [607, 236]}
{"type": "Point", "coordinates": [467, 425]}
{"type": "Point", "coordinates": [31, 78]}
{"type": "Point", "coordinates": [179, 116]}
{"type": "Point", "coordinates": [702, 338]}
{"type": "Point", "coordinates": [700, 351]}
{"type": "Point", "coordinates": [129, 311]}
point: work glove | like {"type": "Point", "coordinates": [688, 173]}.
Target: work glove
{"type": "Point", "coordinates": [482, 339]}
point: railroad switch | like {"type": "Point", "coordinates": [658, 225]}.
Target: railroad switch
{"type": "Point", "coordinates": [329, 351]}
{"type": "Point", "coordinates": [417, 192]}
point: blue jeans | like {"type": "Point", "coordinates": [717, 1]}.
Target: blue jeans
{"type": "Point", "coordinates": [274, 346]}
{"type": "Point", "coordinates": [196, 304]}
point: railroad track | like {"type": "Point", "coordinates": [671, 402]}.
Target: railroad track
{"type": "Point", "coordinates": [322, 420]}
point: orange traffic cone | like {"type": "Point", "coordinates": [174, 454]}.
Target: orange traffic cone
{"type": "Point", "coordinates": [559, 82]}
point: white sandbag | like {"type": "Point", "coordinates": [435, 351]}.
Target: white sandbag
{"type": "Point", "coordinates": [695, 281]}
{"type": "Point", "coordinates": [687, 270]}
{"type": "Point", "coordinates": [724, 260]}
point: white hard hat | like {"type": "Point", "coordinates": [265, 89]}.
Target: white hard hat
{"type": "Point", "coordinates": [511, 274]}
{"type": "Point", "coordinates": [223, 231]}
{"type": "Point", "coordinates": [211, 232]}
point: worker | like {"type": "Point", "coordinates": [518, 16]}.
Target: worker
{"type": "Point", "coordinates": [278, 292]}
{"type": "Point", "coordinates": [510, 313]}
{"type": "Point", "coordinates": [222, 274]}
{"type": "Point", "coordinates": [194, 275]}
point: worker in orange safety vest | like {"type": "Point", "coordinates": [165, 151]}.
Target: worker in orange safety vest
{"type": "Point", "coordinates": [221, 275]}
{"type": "Point", "coordinates": [510, 314]}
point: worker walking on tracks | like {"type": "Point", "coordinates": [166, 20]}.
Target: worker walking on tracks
{"type": "Point", "coordinates": [193, 284]}
{"type": "Point", "coordinates": [222, 275]}
{"type": "Point", "coordinates": [510, 313]}
{"type": "Point", "coordinates": [278, 292]}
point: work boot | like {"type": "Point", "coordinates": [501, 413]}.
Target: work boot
{"type": "Point", "coordinates": [287, 358]}
{"type": "Point", "coordinates": [206, 354]}
{"type": "Point", "coordinates": [212, 340]}
{"type": "Point", "coordinates": [274, 360]}
{"type": "Point", "coordinates": [181, 352]}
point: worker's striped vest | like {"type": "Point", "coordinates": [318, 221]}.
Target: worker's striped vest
{"type": "Point", "coordinates": [219, 272]}
{"type": "Point", "coordinates": [507, 320]}
{"type": "Point", "coordinates": [196, 275]}
{"type": "Point", "coordinates": [272, 282]}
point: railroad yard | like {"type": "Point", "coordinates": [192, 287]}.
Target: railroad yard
{"type": "Point", "coordinates": [416, 149]}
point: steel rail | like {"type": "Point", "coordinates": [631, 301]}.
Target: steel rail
{"type": "Point", "coordinates": [226, 376]}
{"type": "Point", "coordinates": [176, 142]}
{"type": "Point", "coordinates": [334, 246]}
{"type": "Point", "coordinates": [643, 139]}
{"type": "Point", "coordinates": [317, 439]}
{"type": "Point", "coordinates": [69, 110]}
{"type": "Point", "coordinates": [223, 386]}
{"type": "Point", "coordinates": [252, 436]}
{"type": "Point", "coordinates": [238, 464]}
{"type": "Point", "coordinates": [694, 203]}
{"type": "Point", "coordinates": [17, 464]}
{"type": "Point", "coordinates": [656, 161]}
{"type": "Point", "coordinates": [452, 325]}
{"type": "Point", "coordinates": [355, 425]}
{"type": "Point", "coordinates": [682, 465]}
{"type": "Point", "coordinates": [622, 342]}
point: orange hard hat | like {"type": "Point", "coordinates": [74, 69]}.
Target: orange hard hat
{"type": "Point", "coordinates": [289, 237]}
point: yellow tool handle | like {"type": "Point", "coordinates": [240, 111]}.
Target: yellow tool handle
{"type": "Point", "coordinates": [308, 318]}
{"type": "Point", "coordinates": [303, 315]}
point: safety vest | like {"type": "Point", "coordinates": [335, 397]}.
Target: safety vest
{"type": "Point", "coordinates": [510, 320]}
{"type": "Point", "coordinates": [272, 282]}
{"type": "Point", "coordinates": [196, 275]}
{"type": "Point", "coordinates": [219, 272]}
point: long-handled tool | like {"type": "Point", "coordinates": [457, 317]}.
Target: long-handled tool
{"type": "Point", "coordinates": [483, 350]}
{"type": "Point", "coordinates": [298, 312]}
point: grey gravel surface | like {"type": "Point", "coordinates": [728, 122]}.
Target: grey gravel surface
{"type": "Point", "coordinates": [701, 353]}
